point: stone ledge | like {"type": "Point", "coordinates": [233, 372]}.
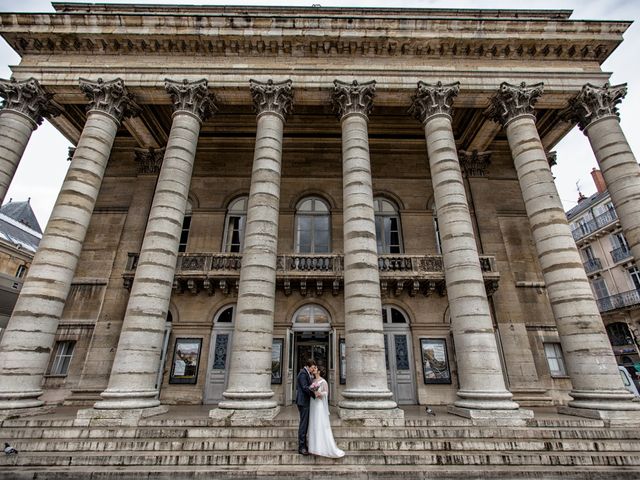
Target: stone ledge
{"type": "Point", "coordinates": [611, 418]}
{"type": "Point", "coordinates": [25, 412]}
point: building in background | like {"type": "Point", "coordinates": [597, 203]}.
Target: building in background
{"type": "Point", "coordinates": [611, 269]}
{"type": "Point", "coordinates": [20, 235]}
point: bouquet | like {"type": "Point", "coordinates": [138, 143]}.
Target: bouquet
{"type": "Point", "coordinates": [315, 386]}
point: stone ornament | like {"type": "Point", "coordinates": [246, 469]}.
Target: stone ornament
{"type": "Point", "coordinates": [474, 163]}
{"type": "Point", "coordinates": [149, 160]}
{"type": "Point", "coordinates": [512, 101]}
{"type": "Point", "coordinates": [593, 103]}
{"type": "Point", "coordinates": [29, 98]}
{"type": "Point", "coordinates": [110, 97]}
{"type": "Point", "coordinates": [272, 97]}
{"type": "Point", "coordinates": [552, 158]}
{"type": "Point", "coordinates": [192, 97]}
{"type": "Point", "coordinates": [353, 97]}
{"type": "Point", "coordinates": [432, 100]}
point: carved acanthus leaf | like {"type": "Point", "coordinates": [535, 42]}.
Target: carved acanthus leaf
{"type": "Point", "coordinates": [512, 101]}
{"type": "Point", "coordinates": [593, 103]}
{"type": "Point", "coordinates": [28, 98]}
{"type": "Point", "coordinates": [272, 97]}
{"type": "Point", "coordinates": [149, 160]}
{"type": "Point", "coordinates": [474, 163]}
{"type": "Point", "coordinates": [353, 97]}
{"type": "Point", "coordinates": [110, 97]}
{"type": "Point", "coordinates": [192, 97]}
{"type": "Point", "coordinates": [432, 100]}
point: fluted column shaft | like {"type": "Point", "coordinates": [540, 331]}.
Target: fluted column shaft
{"type": "Point", "coordinates": [25, 106]}
{"type": "Point", "coordinates": [596, 111]}
{"type": "Point", "coordinates": [479, 369]}
{"type": "Point", "coordinates": [136, 363]}
{"type": "Point", "coordinates": [364, 337]}
{"type": "Point", "coordinates": [587, 351]}
{"type": "Point", "coordinates": [27, 343]}
{"type": "Point", "coordinates": [249, 377]}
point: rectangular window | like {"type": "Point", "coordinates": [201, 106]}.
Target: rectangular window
{"type": "Point", "coordinates": [64, 352]}
{"type": "Point", "coordinates": [587, 254]}
{"type": "Point", "coordinates": [634, 273]}
{"type": "Point", "coordinates": [599, 287]}
{"type": "Point", "coordinates": [22, 270]}
{"type": "Point", "coordinates": [553, 352]}
{"type": "Point", "coordinates": [235, 233]}
{"type": "Point", "coordinates": [184, 235]}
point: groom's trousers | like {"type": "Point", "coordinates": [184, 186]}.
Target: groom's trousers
{"type": "Point", "coordinates": [304, 426]}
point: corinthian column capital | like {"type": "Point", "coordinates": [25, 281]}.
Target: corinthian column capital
{"type": "Point", "coordinates": [149, 160]}
{"type": "Point", "coordinates": [110, 97]}
{"type": "Point", "coordinates": [353, 97]}
{"type": "Point", "coordinates": [28, 98]}
{"type": "Point", "coordinates": [594, 103]}
{"type": "Point", "coordinates": [432, 100]}
{"type": "Point", "coordinates": [474, 163]}
{"type": "Point", "coordinates": [512, 101]}
{"type": "Point", "coordinates": [272, 97]}
{"type": "Point", "coordinates": [191, 97]}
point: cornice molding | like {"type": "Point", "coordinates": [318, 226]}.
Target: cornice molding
{"type": "Point", "coordinates": [28, 98]}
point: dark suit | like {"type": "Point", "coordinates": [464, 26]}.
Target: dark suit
{"type": "Point", "coordinates": [303, 398]}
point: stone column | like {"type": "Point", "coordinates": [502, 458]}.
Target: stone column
{"type": "Point", "coordinates": [248, 394]}
{"type": "Point", "coordinates": [366, 394]}
{"type": "Point", "coordinates": [482, 393]}
{"type": "Point", "coordinates": [596, 111]}
{"type": "Point", "coordinates": [131, 393]}
{"type": "Point", "coordinates": [25, 105]}
{"type": "Point", "coordinates": [28, 341]}
{"type": "Point", "coordinates": [597, 388]}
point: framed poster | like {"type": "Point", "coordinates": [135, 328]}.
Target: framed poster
{"type": "Point", "coordinates": [186, 360]}
{"type": "Point", "coordinates": [435, 361]}
{"type": "Point", "coordinates": [342, 351]}
{"type": "Point", "coordinates": [277, 348]}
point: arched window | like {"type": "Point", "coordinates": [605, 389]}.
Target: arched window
{"type": "Point", "coordinates": [392, 314]}
{"type": "Point", "coordinates": [235, 224]}
{"type": "Point", "coordinates": [186, 226]}
{"type": "Point", "coordinates": [387, 226]}
{"type": "Point", "coordinates": [313, 226]}
{"type": "Point", "coordinates": [226, 315]}
{"type": "Point", "coordinates": [311, 316]}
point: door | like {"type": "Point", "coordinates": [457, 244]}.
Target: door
{"type": "Point", "coordinates": [311, 346]}
{"type": "Point", "coordinates": [400, 376]}
{"type": "Point", "coordinates": [219, 358]}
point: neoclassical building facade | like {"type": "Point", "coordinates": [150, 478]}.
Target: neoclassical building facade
{"type": "Point", "coordinates": [253, 187]}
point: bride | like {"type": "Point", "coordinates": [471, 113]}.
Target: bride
{"type": "Point", "coordinates": [320, 437]}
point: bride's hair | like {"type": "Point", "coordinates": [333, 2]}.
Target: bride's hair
{"type": "Point", "coordinates": [322, 372]}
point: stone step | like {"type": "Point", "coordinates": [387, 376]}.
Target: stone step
{"type": "Point", "coordinates": [272, 433]}
{"type": "Point", "coordinates": [369, 458]}
{"type": "Point", "coordinates": [290, 444]}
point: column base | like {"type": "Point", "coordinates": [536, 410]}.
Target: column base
{"type": "Point", "coordinates": [115, 418]}
{"type": "Point", "coordinates": [611, 418]}
{"type": "Point", "coordinates": [361, 417]}
{"type": "Point", "coordinates": [125, 400]}
{"type": "Point", "coordinates": [258, 417]}
{"type": "Point", "coordinates": [506, 418]}
{"type": "Point", "coordinates": [12, 413]}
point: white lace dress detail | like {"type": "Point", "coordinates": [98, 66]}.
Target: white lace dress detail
{"type": "Point", "coordinates": [319, 436]}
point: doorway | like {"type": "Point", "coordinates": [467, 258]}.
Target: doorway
{"type": "Point", "coordinates": [398, 355]}
{"type": "Point", "coordinates": [219, 355]}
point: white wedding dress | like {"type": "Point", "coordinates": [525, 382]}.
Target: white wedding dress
{"type": "Point", "coordinates": [319, 436]}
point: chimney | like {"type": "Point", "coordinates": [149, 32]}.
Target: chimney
{"type": "Point", "coordinates": [598, 179]}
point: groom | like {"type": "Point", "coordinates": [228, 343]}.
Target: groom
{"type": "Point", "coordinates": [303, 398]}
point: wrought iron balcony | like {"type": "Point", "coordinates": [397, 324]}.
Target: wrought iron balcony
{"type": "Point", "coordinates": [592, 265]}
{"type": "Point", "coordinates": [424, 274]}
{"type": "Point", "coordinates": [620, 253]}
{"type": "Point", "coordinates": [621, 300]}
{"type": "Point", "coordinates": [603, 220]}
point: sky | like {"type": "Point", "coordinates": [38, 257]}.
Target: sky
{"type": "Point", "coordinates": [44, 164]}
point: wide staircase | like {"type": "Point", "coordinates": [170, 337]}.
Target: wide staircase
{"type": "Point", "coordinates": [176, 446]}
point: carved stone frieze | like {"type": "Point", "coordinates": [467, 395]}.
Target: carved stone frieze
{"type": "Point", "coordinates": [353, 97]}
{"type": "Point", "coordinates": [432, 100]}
{"type": "Point", "coordinates": [272, 97]}
{"type": "Point", "coordinates": [593, 103]}
{"type": "Point", "coordinates": [110, 97]}
{"type": "Point", "coordinates": [192, 97]}
{"type": "Point", "coordinates": [474, 163]}
{"type": "Point", "coordinates": [29, 98]}
{"type": "Point", "coordinates": [511, 101]}
{"type": "Point", "coordinates": [149, 160]}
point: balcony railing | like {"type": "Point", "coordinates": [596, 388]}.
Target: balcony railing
{"type": "Point", "coordinates": [592, 265]}
{"type": "Point", "coordinates": [601, 221]}
{"type": "Point", "coordinates": [620, 253]}
{"type": "Point", "coordinates": [417, 273]}
{"type": "Point", "coordinates": [621, 300]}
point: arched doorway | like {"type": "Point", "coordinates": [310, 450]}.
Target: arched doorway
{"type": "Point", "coordinates": [311, 338]}
{"type": "Point", "coordinates": [219, 357]}
{"type": "Point", "coordinates": [399, 358]}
